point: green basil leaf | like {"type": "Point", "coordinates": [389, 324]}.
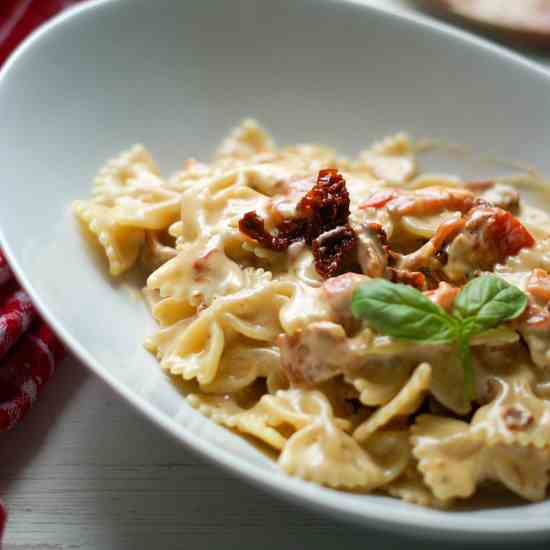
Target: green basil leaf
{"type": "Point", "coordinates": [402, 312]}
{"type": "Point", "coordinates": [487, 301]}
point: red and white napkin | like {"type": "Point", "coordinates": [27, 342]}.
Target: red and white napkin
{"type": "Point", "coordinates": [29, 350]}
{"type": "Point", "coordinates": [29, 354]}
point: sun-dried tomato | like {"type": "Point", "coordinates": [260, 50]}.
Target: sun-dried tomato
{"type": "Point", "coordinates": [446, 231]}
{"type": "Point", "coordinates": [422, 202]}
{"type": "Point", "coordinates": [377, 228]}
{"type": "Point", "coordinates": [321, 221]}
{"type": "Point", "coordinates": [411, 278]}
{"type": "Point", "coordinates": [501, 231]}
{"type": "Point", "coordinates": [289, 231]}
{"type": "Point", "coordinates": [334, 251]}
{"type": "Point", "coordinates": [325, 206]}
{"type": "Point", "coordinates": [379, 199]}
{"type": "Point", "coordinates": [443, 295]}
{"type": "Point", "coordinates": [432, 200]}
{"type": "Point", "coordinates": [509, 233]}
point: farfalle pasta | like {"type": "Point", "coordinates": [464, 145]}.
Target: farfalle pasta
{"type": "Point", "coordinates": [251, 264]}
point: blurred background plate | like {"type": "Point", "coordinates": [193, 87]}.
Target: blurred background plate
{"type": "Point", "coordinates": [517, 22]}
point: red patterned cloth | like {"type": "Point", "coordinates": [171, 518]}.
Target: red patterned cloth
{"type": "Point", "coordinates": [29, 353]}
{"type": "Point", "coordinates": [25, 371]}
{"type": "Point", "coordinates": [16, 315]}
{"type": "Point", "coordinates": [29, 350]}
{"type": "Point", "coordinates": [18, 18]}
{"type": "Point", "coordinates": [5, 272]}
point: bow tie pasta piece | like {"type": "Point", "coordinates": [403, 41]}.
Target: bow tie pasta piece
{"type": "Point", "coordinates": [403, 404]}
{"type": "Point", "coordinates": [194, 278]}
{"type": "Point", "coordinates": [262, 325]}
{"type": "Point", "coordinates": [391, 451]}
{"type": "Point", "coordinates": [214, 206]}
{"type": "Point", "coordinates": [242, 364]}
{"type": "Point", "coordinates": [193, 171]}
{"type": "Point", "coordinates": [300, 264]}
{"type": "Point", "coordinates": [223, 410]}
{"type": "Point", "coordinates": [246, 141]}
{"type": "Point", "coordinates": [131, 187]}
{"type": "Point", "coordinates": [313, 157]}
{"type": "Point", "coordinates": [168, 311]}
{"type": "Point", "coordinates": [449, 456]}
{"type": "Point", "coordinates": [128, 197]}
{"type": "Point", "coordinates": [230, 196]}
{"type": "Point", "coordinates": [146, 204]}
{"type": "Point", "coordinates": [117, 172]}
{"type": "Point", "coordinates": [196, 348]}
{"type": "Point", "coordinates": [454, 458]}
{"type": "Point", "coordinates": [156, 252]}
{"type": "Point", "coordinates": [516, 415]}
{"type": "Point", "coordinates": [410, 487]}
{"type": "Point", "coordinates": [196, 351]}
{"type": "Point", "coordinates": [200, 272]}
{"type": "Point", "coordinates": [122, 244]}
{"type": "Point", "coordinates": [324, 454]}
{"type": "Point", "coordinates": [378, 383]}
{"type": "Point", "coordinates": [272, 418]}
{"type": "Point", "coordinates": [391, 160]}
{"type": "Point", "coordinates": [425, 227]}
{"type": "Point", "coordinates": [321, 451]}
{"type": "Point", "coordinates": [164, 340]}
{"type": "Point", "coordinates": [524, 470]}
{"type": "Point", "coordinates": [447, 384]}
{"type": "Point", "coordinates": [250, 317]}
{"type": "Point", "coordinates": [300, 408]}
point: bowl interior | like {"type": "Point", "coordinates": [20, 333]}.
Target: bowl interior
{"type": "Point", "coordinates": [177, 76]}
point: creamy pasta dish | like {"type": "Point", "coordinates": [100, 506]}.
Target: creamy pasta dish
{"type": "Point", "coordinates": [378, 328]}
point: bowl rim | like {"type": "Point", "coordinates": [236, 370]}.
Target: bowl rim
{"type": "Point", "coordinates": [381, 515]}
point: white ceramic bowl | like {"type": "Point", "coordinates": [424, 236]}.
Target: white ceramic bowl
{"type": "Point", "coordinates": [177, 76]}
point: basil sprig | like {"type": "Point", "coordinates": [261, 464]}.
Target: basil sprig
{"type": "Point", "coordinates": [403, 312]}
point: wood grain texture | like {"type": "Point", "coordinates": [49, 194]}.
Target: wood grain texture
{"type": "Point", "coordinates": [84, 471]}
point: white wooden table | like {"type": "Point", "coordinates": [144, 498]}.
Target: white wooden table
{"type": "Point", "coordinates": [85, 471]}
